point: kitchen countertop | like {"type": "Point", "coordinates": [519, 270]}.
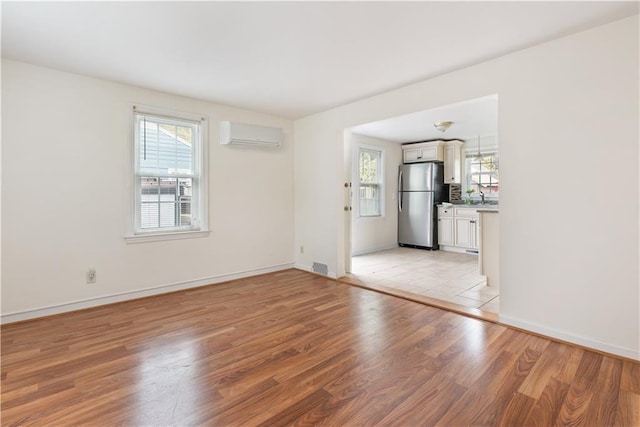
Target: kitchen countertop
{"type": "Point", "coordinates": [479, 208]}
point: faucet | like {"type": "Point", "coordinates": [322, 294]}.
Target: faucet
{"type": "Point", "coordinates": [482, 197]}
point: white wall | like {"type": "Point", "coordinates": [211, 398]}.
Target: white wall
{"type": "Point", "coordinates": [65, 141]}
{"type": "Point", "coordinates": [369, 234]}
{"type": "Point", "coordinates": [568, 123]}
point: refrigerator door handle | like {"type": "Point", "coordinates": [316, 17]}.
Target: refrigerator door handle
{"type": "Point", "coordinates": [400, 192]}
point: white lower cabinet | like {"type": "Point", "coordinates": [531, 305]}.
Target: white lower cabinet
{"type": "Point", "coordinates": [445, 231]}
{"type": "Point", "coordinates": [466, 233]}
{"type": "Point", "coordinates": [458, 229]}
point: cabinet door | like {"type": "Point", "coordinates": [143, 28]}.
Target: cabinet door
{"type": "Point", "coordinates": [429, 153]}
{"type": "Point", "coordinates": [463, 232]}
{"type": "Point", "coordinates": [452, 164]}
{"type": "Point", "coordinates": [445, 231]}
{"type": "Point", "coordinates": [466, 233]}
{"type": "Point", "coordinates": [411, 155]}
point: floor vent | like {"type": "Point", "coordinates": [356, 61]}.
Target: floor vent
{"type": "Point", "coordinates": [320, 268]}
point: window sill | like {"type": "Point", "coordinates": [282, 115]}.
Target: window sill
{"type": "Point", "coordinates": [159, 237]}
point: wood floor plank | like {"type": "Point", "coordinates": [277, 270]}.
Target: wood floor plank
{"type": "Point", "coordinates": [293, 348]}
{"type": "Point", "coordinates": [496, 412]}
{"type": "Point", "coordinates": [547, 366]}
{"type": "Point", "coordinates": [472, 362]}
{"type": "Point", "coordinates": [388, 393]}
{"type": "Point", "coordinates": [581, 391]}
{"type": "Point", "coordinates": [460, 359]}
{"type": "Point", "coordinates": [628, 410]}
{"type": "Point", "coordinates": [371, 398]}
{"type": "Point", "coordinates": [603, 405]}
{"type": "Point", "coordinates": [436, 396]}
{"type": "Point", "coordinates": [547, 407]}
{"type": "Point", "coordinates": [476, 398]}
{"type": "Point", "coordinates": [299, 411]}
{"type": "Point", "coordinates": [630, 380]}
{"type": "Point", "coordinates": [516, 411]}
{"type": "Point", "coordinates": [569, 365]}
{"type": "Point", "coordinates": [263, 407]}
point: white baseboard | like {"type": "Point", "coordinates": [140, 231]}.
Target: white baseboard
{"type": "Point", "coordinates": [124, 296]}
{"type": "Point", "coordinates": [370, 250]}
{"type": "Point", "coordinates": [568, 337]}
{"type": "Point", "coordinates": [308, 268]}
{"type": "Point", "coordinates": [459, 250]}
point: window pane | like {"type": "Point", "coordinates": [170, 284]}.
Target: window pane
{"type": "Point", "coordinates": [165, 202]}
{"type": "Point", "coordinates": [483, 174]}
{"type": "Point", "coordinates": [369, 166]}
{"type": "Point", "coordinates": [370, 174]}
{"type": "Point", "coordinates": [369, 200]}
{"type": "Point", "coordinates": [164, 148]}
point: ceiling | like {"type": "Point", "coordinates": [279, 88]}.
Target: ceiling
{"type": "Point", "coordinates": [289, 59]}
{"type": "Point", "coordinates": [473, 118]}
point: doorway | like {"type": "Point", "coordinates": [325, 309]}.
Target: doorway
{"type": "Point", "coordinates": [448, 278]}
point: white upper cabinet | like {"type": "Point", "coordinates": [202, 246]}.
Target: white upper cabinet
{"type": "Point", "coordinates": [423, 152]}
{"type": "Point", "coordinates": [453, 162]}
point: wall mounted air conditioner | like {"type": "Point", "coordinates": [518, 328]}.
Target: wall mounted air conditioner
{"type": "Point", "coordinates": [241, 134]}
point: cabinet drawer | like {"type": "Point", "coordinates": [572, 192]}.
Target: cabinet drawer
{"type": "Point", "coordinates": [466, 212]}
{"type": "Point", "coordinates": [444, 212]}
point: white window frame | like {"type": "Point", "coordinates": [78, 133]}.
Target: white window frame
{"type": "Point", "coordinates": [200, 202]}
{"type": "Point", "coordinates": [381, 179]}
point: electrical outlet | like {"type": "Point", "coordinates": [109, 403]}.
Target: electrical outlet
{"type": "Point", "coordinates": [91, 275]}
{"type": "Point", "coordinates": [301, 249]}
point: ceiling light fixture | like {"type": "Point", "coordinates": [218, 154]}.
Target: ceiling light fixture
{"type": "Point", "coordinates": [442, 126]}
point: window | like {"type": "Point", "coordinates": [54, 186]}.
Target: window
{"type": "Point", "coordinates": [169, 174]}
{"type": "Point", "coordinates": [370, 182]}
{"type": "Point", "coordinates": [483, 174]}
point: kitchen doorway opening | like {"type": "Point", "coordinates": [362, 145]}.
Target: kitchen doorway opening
{"type": "Point", "coordinates": [373, 152]}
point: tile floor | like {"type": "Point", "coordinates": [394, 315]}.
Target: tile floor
{"type": "Point", "coordinates": [447, 276]}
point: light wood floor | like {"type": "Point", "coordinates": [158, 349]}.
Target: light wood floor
{"type": "Point", "coordinates": [295, 348]}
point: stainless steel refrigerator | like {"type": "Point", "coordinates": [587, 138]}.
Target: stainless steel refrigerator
{"type": "Point", "coordinates": [420, 187]}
